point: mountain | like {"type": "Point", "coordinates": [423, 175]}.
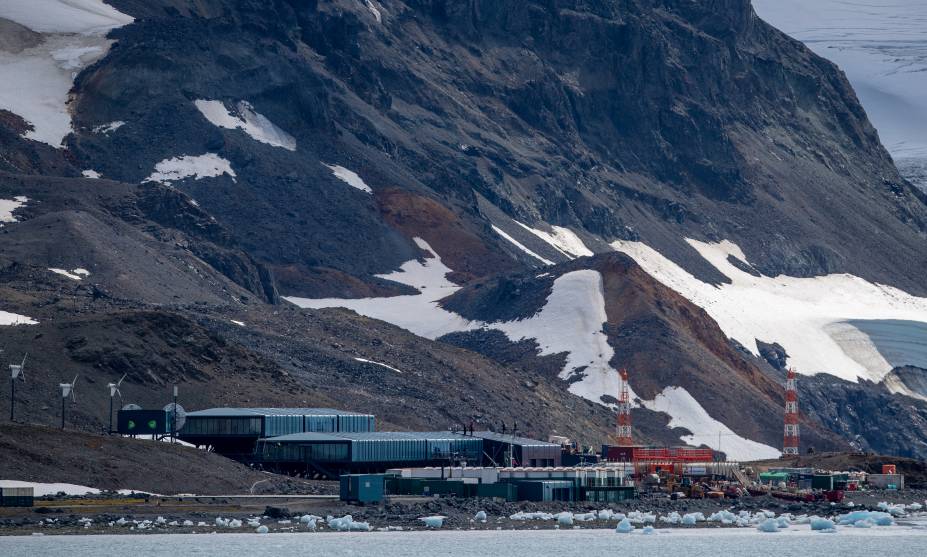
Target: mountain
{"type": "Point", "coordinates": [880, 46]}
{"type": "Point", "coordinates": [512, 200]}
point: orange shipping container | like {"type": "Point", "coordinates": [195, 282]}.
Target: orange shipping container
{"type": "Point", "coordinates": [888, 469]}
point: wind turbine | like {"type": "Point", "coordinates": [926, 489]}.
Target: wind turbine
{"type": "Point", "coordinates": [16, 370]}
{"type": "Point", "coordinates": [113, 391]}
{"type": "Point", "coordinates": [67, 389]}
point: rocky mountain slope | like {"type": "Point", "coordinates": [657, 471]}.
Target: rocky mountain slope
{"type": "Point", "coordinates": [461, 175]}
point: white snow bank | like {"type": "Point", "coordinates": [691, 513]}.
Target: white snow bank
{"type": "Point", "coordinates": [572, 321]}
{"type": "Point", "coordinates": [686, 412]}
{"type": "Point", "coordinates": [419, 313]}
{"type": "Point", "coordinates": [433, 521]}
{"type": "Point", "coordinates": [520, 246]}
{"type": "Point", "coordinates": [35, 80]}
{"type": "Point", "coordinates": [346, 524]}
{"type": "Point", "coordinates": [349, 177]}
{"type": "Point", "coordinates": [7, 318]}
{"type": "Point", "coordinates": [562, 239]}
{"type": "Point", "coordinates": [75, 274]}
{"type": "Point", "coordinates": [8, 206]}
{"type": "Point", "coordinates": [198, 167]}
{"type": "Point", "coordinates": [42, 489]}
{"type": "Point", "coordinates": [389, 367]}
{"type": "Point", "coordinates": [246, 119]}
{"type": "Point", "coordinates": [108, 128]}
{"type": "Point", "coordinates": [810, 317]}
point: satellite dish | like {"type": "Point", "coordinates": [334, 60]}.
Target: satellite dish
{"type": "Point", "coordinates": [176, 413]}
{"type": "Point", "coordinates": [131, 407]}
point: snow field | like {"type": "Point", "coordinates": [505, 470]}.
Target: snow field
{"type": "Point", "coordinates": [520, 246]}
{"type": "Point", "coordinates": [10, 319]}
{"type": "Point", "coordinates": [562, 239]}
{"type": "Point", "coordinates": [9, 206]}
{"type": "Point", "coordinates": [36, 79]}
{"type": "Point", "coordinates": [571, 321]}
{"type": "Point", "coordinates": [809, 317]}
{"type": "Point", "coordinates": [246, 119]}
{"type": "Point", "coordinates": [209, 165]}
{"type": "Point", "coordinates": [74, 274]}
{"type": "Point", "coordinates": [349, 177]}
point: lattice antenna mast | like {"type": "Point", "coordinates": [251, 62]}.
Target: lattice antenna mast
{"type": "Point", "coordinates": [624, 412]}
{"type": "Point", "coordinates": [790, 440]}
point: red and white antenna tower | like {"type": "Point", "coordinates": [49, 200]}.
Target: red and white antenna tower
{"type": "Point", "coordinates": [790, 441]}
{"type": "Point", "coordinates": [623, 436]}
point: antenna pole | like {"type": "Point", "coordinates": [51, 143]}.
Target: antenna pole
{"type": "Point", "coordinates": [174, 418]}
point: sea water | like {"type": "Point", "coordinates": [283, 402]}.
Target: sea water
{"type": "Point", "coordinates": [798, 541]}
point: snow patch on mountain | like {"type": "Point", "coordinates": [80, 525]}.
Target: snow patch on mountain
{"type": "Point", "coordinates": [520, 246]}
{"type": "Point", "coordinates": [75, 274]}
{"type": "Point", "coordinates": [90, 173]}
{"type": "Point", "coordinates": [812, 318]}
{"type": "Point", "coordinates": [562, 239]}
{"type": "Point", "coordinates": [36, 74]}
{"type": "Point", "coordinates": [374, 10]}
{"type": "Point", "coordinates": [9, 206]}
{"type": "Point", "coordinates": [198, 167]}
{"type": "Point", "coordinates": [109, 128]}
{"type": "Point", "coordinates": [246, 119]}
{"type": "Point", "coordinates": [389, 367]}
{"type": "Point", "coordinates": [419, 313]}
{"type": "Point", "coordinates": [8, 319]}
{"type": "Point", "coordinates": [572, 321]}
{"type": "Point", "coordinates": [349, 177]}
{"type": "Point", "coordinates": [686, 412]}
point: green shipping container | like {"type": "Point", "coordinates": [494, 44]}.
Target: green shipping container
{"type": "Point", "coordinates": [822, 481]}
{"type": "Point", "coordinates": [362, 488]}
{"type": "Point", "coordinates": [506, 491]}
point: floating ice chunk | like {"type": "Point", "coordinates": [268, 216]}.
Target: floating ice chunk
{"type": "Point", "coordinates": [648, 530]}
{"type": "Point", "coordinates": [914, 507]}
{"type": "Point", "coordinates": [672, 518]}
{"type": "Point", "coordinates": [234, 523]}
{"type": "Point", "coordinates": [624, 527]}
{"type": "Point", "coordinates": [436, 521]}
{"type": "Point", "coordinates": [531, 516]}
{"type": "Point", "coordinates": [691, 518]}
{"type": "Point", "coordinates": [122, 522]}
{"type": "Point", "coordinates": [724, 517]}
{"type": "Point", "coordinates": [877, 517]}
{"type": "Point", "coordinates": [768, 525]}
{"type": "Point", "coordinates": [818, 523]}
{"type": "Point", "coordinates": [866, 523]}
{"type": "Point", "coordinates": [188, 523]}
{"type": "Point", "coordinates": [262, 530]}
{"type": "Point", "coordinates": [891, 508]}
{"type": "Point", "coordinates": [480, 516]}
{"type": "Point", "coordinates": [783, 521]}
{"type": "Point", "coordinates": [221, 522]}
{"type": "Point", "coordinates": [605, 514]}
{"type": "Point", "coordinates": [565, 519]}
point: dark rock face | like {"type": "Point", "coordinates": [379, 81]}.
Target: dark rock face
{"type": "Point", "coordinates": [669, 119]}
{"type": "Point", "coordinates": [650, 120]}
{"type": "Point", "coordinates": [866, 414]}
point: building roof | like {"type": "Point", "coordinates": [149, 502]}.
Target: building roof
{"type": "Point", "coordinates": [513, 439]}
{"type": "Point", "coordinates": [310, 437]}
{"type": "Point", "coordinates": [255, 412]}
